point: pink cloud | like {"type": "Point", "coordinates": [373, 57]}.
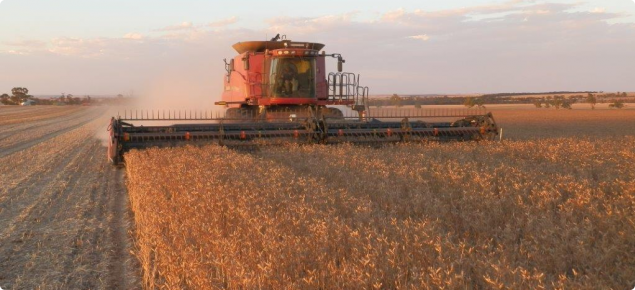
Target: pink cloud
{"type": "Point", "coordinates": [182, 26]}
{"type": "Point", "coordinates": [223, 22]}
{"type": "Point", "coordinates": [133, 36]}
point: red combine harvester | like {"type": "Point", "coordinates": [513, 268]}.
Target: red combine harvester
{"type": "Point", "coordinates": [275, 79]}
{"type": "Point", "coordinates": [278, 91]}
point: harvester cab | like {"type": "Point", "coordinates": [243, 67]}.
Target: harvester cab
{"type": "Point", "coordinates": [279, 91]}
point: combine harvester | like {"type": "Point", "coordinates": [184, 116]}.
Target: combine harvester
{"type": "Point", "coordinates": [278, 91]}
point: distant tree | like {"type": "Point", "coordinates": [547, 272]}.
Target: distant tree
{"type": "Point", "coordinates": [538, 104]}
{"type": "Point", "coordinates": [20, 92]}
{"type": "Point", "coordinates": [617, 104]}
{"type": "Point", "coordinates": [469, 102]}
{"type": "Point", "coordinates": [624, 94]}
{"type": "Point", "coordinates": [6, 100]}
{"type": "Point", "coordinates": [19, 95]}
{"type": "Point", "coordinates": [120, 96]}
{"type": "Point", "coordinates": [568, 102]}
{"type": "Point", "coordinates": [479, 103]}
{"type": "Point", "coordinates": [559, 102]}
{"type": "Point", "coordinates": [395, 100]}
{"type": "Point", "coordinates": [72, 100]}
{"type": "Point", "coordinates": [417, 102]}
{"type": "Point", "coordinates": [592, 100]}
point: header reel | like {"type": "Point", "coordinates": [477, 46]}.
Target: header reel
{"type": "Point", "coordinates": [308, 125]}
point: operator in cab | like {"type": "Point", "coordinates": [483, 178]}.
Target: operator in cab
{"type": "Point", "coordinates": [293, 78]}
{"type": "Point", "coordinates": [289, 78]}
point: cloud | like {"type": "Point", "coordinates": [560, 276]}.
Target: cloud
{"type": "Point", "coordinates": [85, 48]}
{"type": "Point", "coordinates": [522, 50]}
{"type": "Point", "coordinates": [304, 25]}
{"type": "Point", "coordinates": [133, 36]}
{"type": "Point", "coordinates": [422, 37]}
{"type": "Point", "coordinates": [182, 26]}
{"type": "Point", "coordinates": [531, 46]}
{"type": "Point", "coordinates": [187, 31]}
{"type": "Point", "coordinates": [15, 52]}
{"type": "Point", "coordinates": [223, 22]}
{"type": "Point", "coordinates": [26, 43]}
{"type": "Point", "coordinates": [403, 16]}
{"type": "Point", "coordinates": [598, 10]}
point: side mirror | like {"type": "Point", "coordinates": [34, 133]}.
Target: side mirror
{"type": "Point", "coordinates": [229, 67]}
{"type": "Point", "coordinates": [340, 64]}
{"type": "Point", "coordinates": [246, 62]}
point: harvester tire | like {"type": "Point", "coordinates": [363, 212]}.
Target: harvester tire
{"type": "Point", "coordinates": [238, 114]}
{"type": "Point", "coordinates": [332, 113]}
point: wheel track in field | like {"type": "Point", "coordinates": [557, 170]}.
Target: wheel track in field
{"type": "Point", "coordinates": [13, 116]}
{"type": "Point", "coordinates": [33, 214]}
{"type": "Point", "coordinates": [27, 142]}
{"type": "Point", "coordinates": [7, 131]}
{"type": "Point", "coordinates": [63, 223]}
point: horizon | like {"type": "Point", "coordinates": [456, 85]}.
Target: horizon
{"type": "Point", "coordinates": [97, 96]}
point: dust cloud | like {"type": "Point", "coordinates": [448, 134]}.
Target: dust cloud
{"type": "Point", "coordinates": [187, 83]}
{"type": "Point", "coordinates": [185, 77]}
{"type": "Point", "coordinates": [182, 88]}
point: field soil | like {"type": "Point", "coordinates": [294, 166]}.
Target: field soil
{"type": "Point", "coordinates": [525, 122]}
{"type": "Point", "coordinates": [64, 218]}
{"type": "Point", "coordinates": [550, 207]}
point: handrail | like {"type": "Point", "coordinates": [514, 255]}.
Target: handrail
{"type": "Point", "coordinates": [343, 86]}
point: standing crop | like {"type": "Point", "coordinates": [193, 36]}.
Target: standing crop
{"type": "Point", "coordinates": [519, 215]}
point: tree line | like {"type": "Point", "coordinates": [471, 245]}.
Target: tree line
{"type": "Point", "coordinates": [563, 102]}
{"type": "Point", "coordinates": [20, 95]}
{"type": "Point", "coordinates": [615, 100]}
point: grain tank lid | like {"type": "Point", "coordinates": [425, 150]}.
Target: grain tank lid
{"type": "Point", "coordinates": [260, 46]}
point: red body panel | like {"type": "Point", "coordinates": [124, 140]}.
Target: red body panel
{"type": "Point", "coordinates": [244, 85]}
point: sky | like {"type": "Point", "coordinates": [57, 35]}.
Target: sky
{"type": "Point", "coordinates": [406, 47]}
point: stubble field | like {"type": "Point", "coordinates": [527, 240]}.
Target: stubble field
{"type": "Point", "coordinates": [551, 207]}
{"type": "Point", "coordinates": [64, 217]}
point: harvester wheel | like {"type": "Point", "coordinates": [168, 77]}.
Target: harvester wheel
{"type": "Point", "coordinates": [115, 154]}
{"type": "Point", "coordinates": [489, 129]}
{"type": "Point", "coordinates": [332, 113]}
{"type": "Point", "coordinates": [406, 128]}
{"type": "Point", "coordinates": [232, 113]}
{"type": "Point", "coordinates": [317, 129]}
{"type": "Point", "coordinates": [238, 114]}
